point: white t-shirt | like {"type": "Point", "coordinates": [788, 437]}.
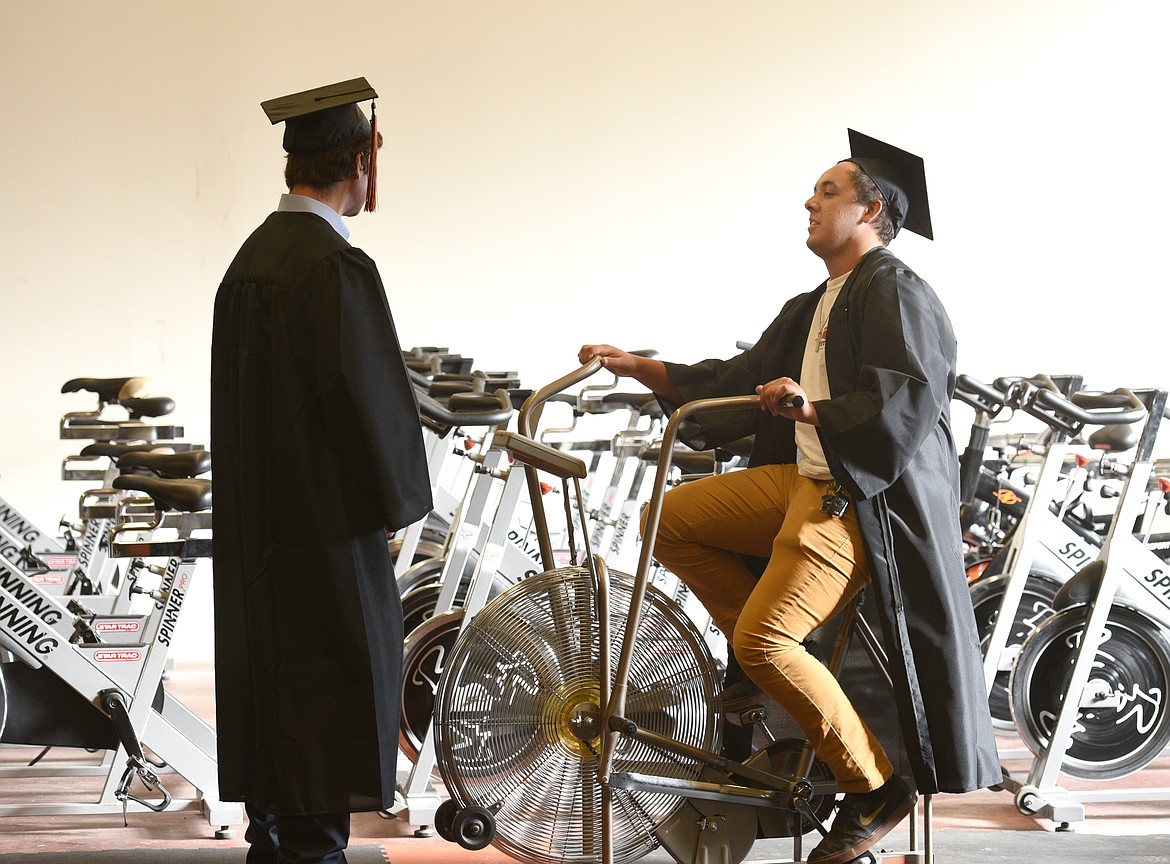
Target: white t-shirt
{"type": "Point", "coordinates": [814, 378]}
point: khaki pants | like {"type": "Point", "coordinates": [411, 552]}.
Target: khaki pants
{"type": "Point", "coordinates": [817, 564]}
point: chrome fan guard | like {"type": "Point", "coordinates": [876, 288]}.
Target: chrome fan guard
{"type": "Point", "coordinates": [518, 722]}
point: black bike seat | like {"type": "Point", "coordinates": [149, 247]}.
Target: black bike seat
{"type": "Point", "coordinates": [109, 390]}
{"type": "Point", "coordinates": [1116, 438]}
{"type": "Point", "coordinates": [114, 449]}
{"type": "Point", "coordinates": [190, 463]}
{"type": "Point", "coordinates": [150, 406]}
{"type": "Point", "coordinates": [187, 495]}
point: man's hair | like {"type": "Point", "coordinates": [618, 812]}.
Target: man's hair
{"type": "Point", "coordinates": [868, 192]}
{"type": "Point", "coordinates": [322, 170]}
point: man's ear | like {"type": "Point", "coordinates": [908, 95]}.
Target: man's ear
{"type": "Point", "coordinates": [872, 210]}
{"type": "Point", "coordinates": [357, 166]}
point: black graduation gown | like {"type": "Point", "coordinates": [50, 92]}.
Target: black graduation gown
{"type": "Point", "coordinates": [890, 357]}
{"type": "Point", "coordinates": [318, 451]}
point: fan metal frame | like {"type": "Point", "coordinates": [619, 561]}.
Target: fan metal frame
{"type": "Point", "coordinates": [518, 722]}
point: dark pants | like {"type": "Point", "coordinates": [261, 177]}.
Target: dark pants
{"type": "Point", "coordinates": [318, 838]}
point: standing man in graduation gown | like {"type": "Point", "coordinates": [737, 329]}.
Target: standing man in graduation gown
{"type": "Point", "coordinates": [859, 484]}
{"type": "Point", "coordinates": [318, 451]}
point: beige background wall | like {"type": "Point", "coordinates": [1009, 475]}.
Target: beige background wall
{"type": "Point", "coordinates": [559, 172]}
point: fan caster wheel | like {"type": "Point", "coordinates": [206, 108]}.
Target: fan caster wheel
{"type": "Point", "coordinates": [474, 828]}
{"type": "Point", "coordinates": [445, 820]}
{"type": "Point", "coordinates": [1029, 801]}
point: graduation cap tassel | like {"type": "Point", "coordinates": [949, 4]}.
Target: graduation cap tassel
{"type": "Point", "coordinates": [372, 187]}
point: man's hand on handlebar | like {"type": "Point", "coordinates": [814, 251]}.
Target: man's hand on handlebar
{"type": "Point", "coordinates": [616, 360]}
{"type": "Point", "coordinates": [783, 397]}
{"type": "Point", "coordinates": [646, 370]}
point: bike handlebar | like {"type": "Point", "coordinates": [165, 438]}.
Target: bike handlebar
{"type": "Point", "coordinates": [617, 401]}
{"type": "Point", "coordinates": [980, 396]}
{"type": "Point", "coordinates": [474, 412]}
{"type": "Point", "coordinates": [529, 411]}
{"type": "Point", "coordinates": [1016, 388]}
{"type": "Point", "coordinates": [645, 403]}
{"type": "Point", "coordinates": [1085, 409]}
{"type": "Point", "coordinates": [1116, 399]}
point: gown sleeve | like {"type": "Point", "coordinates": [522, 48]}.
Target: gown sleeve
{"type": "Point", "coordinates": [775, 353]}
{"type": "Point", "coordinates": [709, 379]}
{"type": "Point", "coordinates": [380, 392]}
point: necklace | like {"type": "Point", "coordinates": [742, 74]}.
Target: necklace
{"type": "Point", "coordinates": [822, 323]}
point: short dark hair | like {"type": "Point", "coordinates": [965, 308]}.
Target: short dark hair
{"type": "Point", "coordinates": [322, 170]}
{"type": "Point", "coordinates": [868, 192]}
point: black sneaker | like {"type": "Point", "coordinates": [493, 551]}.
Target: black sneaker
{"type": "Point", "coordinates": [863, 818]}
{"type": "Point", "coordinates": [741, 695]}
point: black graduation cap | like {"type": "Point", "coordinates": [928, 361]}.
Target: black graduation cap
{"type": "Point", "coordinates": [324, 117]}
{"type": "Point", "coordinates": [901, 178]}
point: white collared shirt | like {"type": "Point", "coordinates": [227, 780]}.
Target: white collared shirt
{"type": "Point", "coordinates": [290, 203]}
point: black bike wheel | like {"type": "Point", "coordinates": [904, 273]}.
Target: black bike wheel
{"type": "Point", "coordinates": [424, 656]}
{"type": "Point", "coordinates": [420, 573]}
{"type": "Point", "coordinates": [418, 606]}
{"type": "Point", "coordinates": [1124, 721]}
{"type": "Point", "coordinates": [1035, 607]}
{"type": "Point", "coordinates": [428, 547]}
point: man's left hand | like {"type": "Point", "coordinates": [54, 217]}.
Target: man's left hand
{"type": "Point", "coordinates": [776, 397]}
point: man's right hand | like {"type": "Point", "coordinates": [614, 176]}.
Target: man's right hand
{"type": "Point", "coordinates": [616, 360]}
{"type": "Point", "coordinates": [646, 370]}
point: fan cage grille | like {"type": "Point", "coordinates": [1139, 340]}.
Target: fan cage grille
{"type": "Point", "coordinates": [523, 678]}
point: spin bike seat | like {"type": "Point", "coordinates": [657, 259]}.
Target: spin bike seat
{"type": "Point", "coordinates": [689, 461]}
{"type": "Point", "coordinates": [1116, 439]}
{"type": "Point", "coordinates": [187, 495]}
{"type": "Point", "coordinates": [114, 450]}
{"type": "Point", "coordinates": [109, 390]}
{"type": "Point", "coordinates": [190, 463]}
{"type": "Point", "coordinates": [152, 406]}
{"type": "Point", "coordinates": [738, 447]}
